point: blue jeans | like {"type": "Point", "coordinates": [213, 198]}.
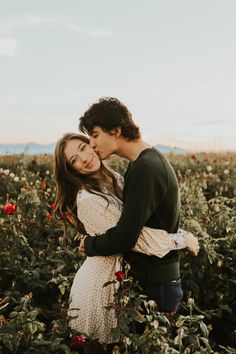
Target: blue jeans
{"type": "Point", "coordinates": [168, 296]}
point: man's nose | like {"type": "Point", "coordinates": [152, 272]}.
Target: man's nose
{"type": "Point", "coordinates": [92, 142]}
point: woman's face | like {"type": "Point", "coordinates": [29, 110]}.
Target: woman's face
{"type": "Point", "coordinates": [82, 157]}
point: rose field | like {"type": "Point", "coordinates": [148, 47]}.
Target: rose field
{"type": "Point", "coordinates": [36, 272]}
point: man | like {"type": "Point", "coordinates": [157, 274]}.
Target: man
{"type": "Point", "coordinates": [151, 198]}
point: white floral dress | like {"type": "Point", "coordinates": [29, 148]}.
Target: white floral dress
{"type": "Point", "coordinates": [89, 308]}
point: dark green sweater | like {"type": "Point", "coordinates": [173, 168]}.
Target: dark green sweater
{"type": "Point", "coordinates": [151, 198]}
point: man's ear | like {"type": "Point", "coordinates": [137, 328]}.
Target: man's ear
{"type": "Point", "coordinates": [116, 132]}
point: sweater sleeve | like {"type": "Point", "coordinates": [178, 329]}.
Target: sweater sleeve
{"type": "Point", "coordinates": [145, 188]}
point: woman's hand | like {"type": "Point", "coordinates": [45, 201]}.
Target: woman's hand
{"type": "Point", "coordinates": [81, 246]}
{"type": "Point", "coordinates": [192, 243]}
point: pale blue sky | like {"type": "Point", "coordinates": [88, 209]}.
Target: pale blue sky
{"type": "Point", "coordinates": [171, 62]}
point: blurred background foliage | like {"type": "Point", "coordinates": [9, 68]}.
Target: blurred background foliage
{"type": "Point", "coordinates": [36, 272]}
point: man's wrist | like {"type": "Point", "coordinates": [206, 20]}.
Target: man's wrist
{"type": "Point", "coordinates": [88, 245]}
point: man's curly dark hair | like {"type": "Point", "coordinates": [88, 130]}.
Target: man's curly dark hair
{"type": "Point", "coordinates": [109, 113]}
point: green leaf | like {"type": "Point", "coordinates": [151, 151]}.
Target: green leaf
{"type": "Point", "coordinates": [204, 329]}
{"type": "Point", "coordinates": [13, 314]}
{"type": "Point", "coordinates": [62, 289]}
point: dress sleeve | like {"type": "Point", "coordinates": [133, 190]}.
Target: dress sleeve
{"type": "Point", "coordinates": [120, 180]}
{"type": "Point", "coordinates": [158, 242]}
{"type": "Point", "coordinates": [93, 212]}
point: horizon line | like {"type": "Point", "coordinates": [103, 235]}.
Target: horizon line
{"type": "Point", "coordinates": [187, 149]}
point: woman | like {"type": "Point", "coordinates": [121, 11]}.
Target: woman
{"type": "Point", "coordinates": [93, 195]}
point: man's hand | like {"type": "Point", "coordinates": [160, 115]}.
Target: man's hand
{"type": "Point", "coordinates": [192, 243]}
{"type": "Point", "coordinates": [81, 246]}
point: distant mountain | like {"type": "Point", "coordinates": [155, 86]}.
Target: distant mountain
{"type": "Point", "coordinates": [29, 148]}
{"type": "Point", "coordinates": [35, 149]}
{"type": "Point", "coordinates": [168, 149]}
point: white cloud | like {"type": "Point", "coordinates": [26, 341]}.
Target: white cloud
{"type": "Point", "coordinates": [8, 46]}
{"type": "Point", "coordinates": [11, 24]}
{"type": "Point", "coordinates": [32, 20]}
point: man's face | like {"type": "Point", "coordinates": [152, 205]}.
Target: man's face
{"type": "Point", "coordinates": [104, 144]}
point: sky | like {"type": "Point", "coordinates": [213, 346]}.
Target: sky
{"type": "Point", "coordinates": [173, 63]}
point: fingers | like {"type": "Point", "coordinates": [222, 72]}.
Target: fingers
{"type": "Point", "coordinates": [81, 249]}
{"type": "Point", "coordinates": [193, 245]}
{"type": "Point", "coordinates": [196, 246]}
{"type": "Point", "coordinates": [81, 246]}
{"type": "Point", "coordinates": [196, 251]}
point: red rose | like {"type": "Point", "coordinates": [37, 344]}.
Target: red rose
{"type": "Point", "coordinates": [43, 185]}
{"type": "Point", "coordinates": [48, 217]}
{"type": "Point", "coordinates": [70, 216]}
{"type": "Point", "coordinates": [77, 340]}
{"type": "Point", "coordinates": [119, 275]}
{"type": "Point", "coordinates": [9, 208]}
{"type": "Point", "coordinates": [53, 206]}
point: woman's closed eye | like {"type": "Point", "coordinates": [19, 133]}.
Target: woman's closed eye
{"type": "Point", "coordinates": [74, 160]}
{"type": "Point", "coordinates": [82, 147]}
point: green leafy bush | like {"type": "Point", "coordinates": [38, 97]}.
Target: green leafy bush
{"type": "Point", "coordinates": [37, 273]}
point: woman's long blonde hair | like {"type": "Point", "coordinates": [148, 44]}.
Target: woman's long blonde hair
{"type": "Point", "coordinates": [69, 182]}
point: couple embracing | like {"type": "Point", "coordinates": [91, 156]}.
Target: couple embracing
{"type": "Point", "coordinates": [135, 218]}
